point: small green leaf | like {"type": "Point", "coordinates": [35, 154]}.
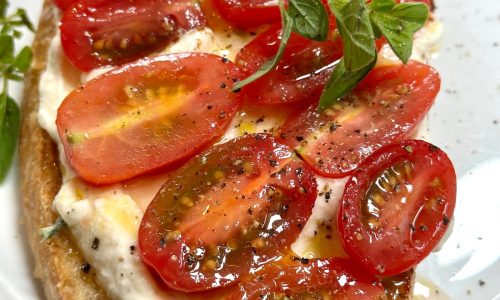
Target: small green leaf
{"type": "Point", "coordinates": [356, 30]}
{"type": "Point", "coordinates": [310, 19]}
{"type": "Point", "coordinates": [382, 5]}
{"type": "Point", "coordinates": [23, 59]}
{"type": "Point", "coordinates": [8, 136]}
{"type": "Point", "coordinates": [15, 77]}
{"type": "Point", "coordinates": [24, 18]}
{"type": "Point", "coordinates": [50, 231]}
{"type": "Point", "coordinates": [341, 83]}
{"type": "Point", "coordinates": [6, 49]}
{"type": "Point", "coordinates": [399, 24]}
{"type": "Point", "coordinates": [3, 8]}
{"type": "Point", "coordinates": [270, 64]}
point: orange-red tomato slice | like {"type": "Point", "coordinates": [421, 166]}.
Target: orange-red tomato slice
{"type": "Point", "coordinates": [299, 278]}
{"type": "Point", "coordinates": [301, 73]}
{"type": "Point", "coordinates": [147, 115]}
{"type": "Point", "coordinates": [396, 206]}
{"type": "Point", "coordinates": [95, 33]}
{"type": "Point", "coordinates": [226, 212]}
{"type": "Point", "coordinates": [387, 106]}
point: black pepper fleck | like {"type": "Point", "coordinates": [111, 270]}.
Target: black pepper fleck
{"type": "Point", "coordinates": [85, 268]}
{"type": "Point", "coordinates": [95, 243]}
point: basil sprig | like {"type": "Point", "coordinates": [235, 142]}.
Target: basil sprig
{"type": "Point", "coordinates": [308, 18]}
{"type": "Point", "coordinates": [359, 25]}
{"type": "Point", "coordinates": [12, 67]}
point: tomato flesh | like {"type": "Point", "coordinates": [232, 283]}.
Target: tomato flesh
{"type": "Point", "coordinates": [385, 107]}
{"type": "Point", "coordinates": [96, 33]}
{"type": "Point", "coordinates": [64, 4]}
{"type": "Point", "coordinates": [248, 14]}
{"type": "Point", "coordinates": [397, 205]}
{"type": "Point", "coordinates": [147, 116]}
{"type": "Point", "coordinates": [301, 73]}
{"type": "Point", "coordinates": [226, 212]}
{"type": "Point", "coordinates": [296, 278]}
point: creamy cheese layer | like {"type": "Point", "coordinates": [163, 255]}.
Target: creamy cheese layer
{"type": "Point", "coordinates": [112, 214]}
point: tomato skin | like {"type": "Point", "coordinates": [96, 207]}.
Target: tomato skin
{"type": "Point", "coordinates": [334, 278]}
{"type": "Point", "coordinates": [231, 209]}
{"type": "Point", "coordinates": [146, 116]}
{"type": "Point", "coordinates": [396, 206]}
{"type": "Point", "coordinates": [64, 4]}
{"type": "Point", "coordinates": [299, 77]}
{"type": "Point", "coordinates": [335, 141]}
{"type": "Point", "coordinates": [97, 33]}
{"type": "Point", "coordinates": [248, 14]}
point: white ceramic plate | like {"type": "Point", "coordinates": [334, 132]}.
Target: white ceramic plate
{"type": "Point", "coordinates": [465, 122]}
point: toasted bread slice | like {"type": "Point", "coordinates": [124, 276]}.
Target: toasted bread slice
{"type": "Point", "coordinates": [59, 266]}
{"type": "Point", "coordinates": [58, 263]}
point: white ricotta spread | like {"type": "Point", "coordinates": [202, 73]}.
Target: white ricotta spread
{"type": "Point", "coordinates": [111, 215]}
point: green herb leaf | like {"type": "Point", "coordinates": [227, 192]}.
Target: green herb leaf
{"type": "Point", "coordinates": [23, 59]}
{"type": "Point", "coordinates": [8, 136]}
{"type": "Point", "coordinates": [271, 64]}
{"type": "Point", "coordinates": [341, 83]}
{"type": "Point", "coordinates": [310, 19]}
{"type": "Point", "coordinates": [25, 20]}
{"type": "Point", "coordinates": [356, 30]}
{"type": "Point", "coordinates": [398, 23]}
{"type": "Point", "coordinates": [50, 231]}
{"type": "Point", "coordinates": [6, 49]}
{"type": "Point", "coordinates": [12, 67]}
{"type": "Point", "coordinates": [3, 8]}
{"type": "Point", "coordinates": [360, 54]}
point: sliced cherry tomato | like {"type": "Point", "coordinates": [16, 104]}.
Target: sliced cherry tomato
{"type": "Point", "coordinates": [397, 205]}
{"type": "Point", "coordinates": [249, 13]}
{"type": "Point", "coordinates": [335, 278]}
{"type": "Point", "coordinates": [147, 115]}
{"type": "Point", "coordinates": [301, 73]}
{"type": "Point", "coordinates": [102, 32]}
{"type": "Point", "coordinates": [64, 4]}
{"type": "Point", "coordinates": [386, 106]}
{"type": "Point", "coordinates": [226, 212]}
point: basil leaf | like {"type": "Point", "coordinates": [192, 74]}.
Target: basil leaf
{"type": "Point", "coordinates": [310, 19]}
{"type": "Point", "coordinates": [3, 8]}
{"type": "Point", "coordinates": [356, 30]}
{"type": "Point", "coordinates": [381, 5]}
{"type": "Point", "coordinates": [341, 83]}
{"type": "Point", "coordinates": [23, 59]}
{"type": "Point", "coordinates": [399, 24]}
{"type": "Point", "coordinates": [8, 136]}
{"type": "Point", "coordinates": [50, 231]}
{"type": "Point", "coordinates": [6, 49]}
{"type": "Point", "coordinates": [270, 64]}
{"type": "Point", "coordinates": [25, 20]}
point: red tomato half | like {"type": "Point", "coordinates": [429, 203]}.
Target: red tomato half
{"type": "Point", "coordinates": [249, 13]}
{"type": "Point", "coordinates": [299, 77]}
{"type": "Point", "coordinates": [227, 211]}
{"type": "Point", "coordinates": [385, 107]}
{"type": "Point", "coordinates": [397, 205]}
{"type": "Point", "coordinates": [102, 32]}
{"type": "Point", "coordinates": [64, 4]}
{"type": "Point", "coordinates": [147, 115]}
{"type": "Point", "coordinates": [334, 278]}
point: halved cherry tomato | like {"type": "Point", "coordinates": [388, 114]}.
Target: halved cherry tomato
{"type": "Point", "coordinates": [64, 4]}
{"type": "Point", "coordinates": [299, 278]}
{"type": "Point", "coordinates": [385, 107]}
{"type": "Point", "coordinates": [249, 13]}
{"type": "Point", "coordinates": [102, 32]}
{"type": "Point", "coordinates": [147, 115]}
{"type": "Point", "coordinates": [301, 73]}
{"type": "Point", "coordinates": [226, 212]}
{"type": "Point", "coordinates": [397, 205]}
